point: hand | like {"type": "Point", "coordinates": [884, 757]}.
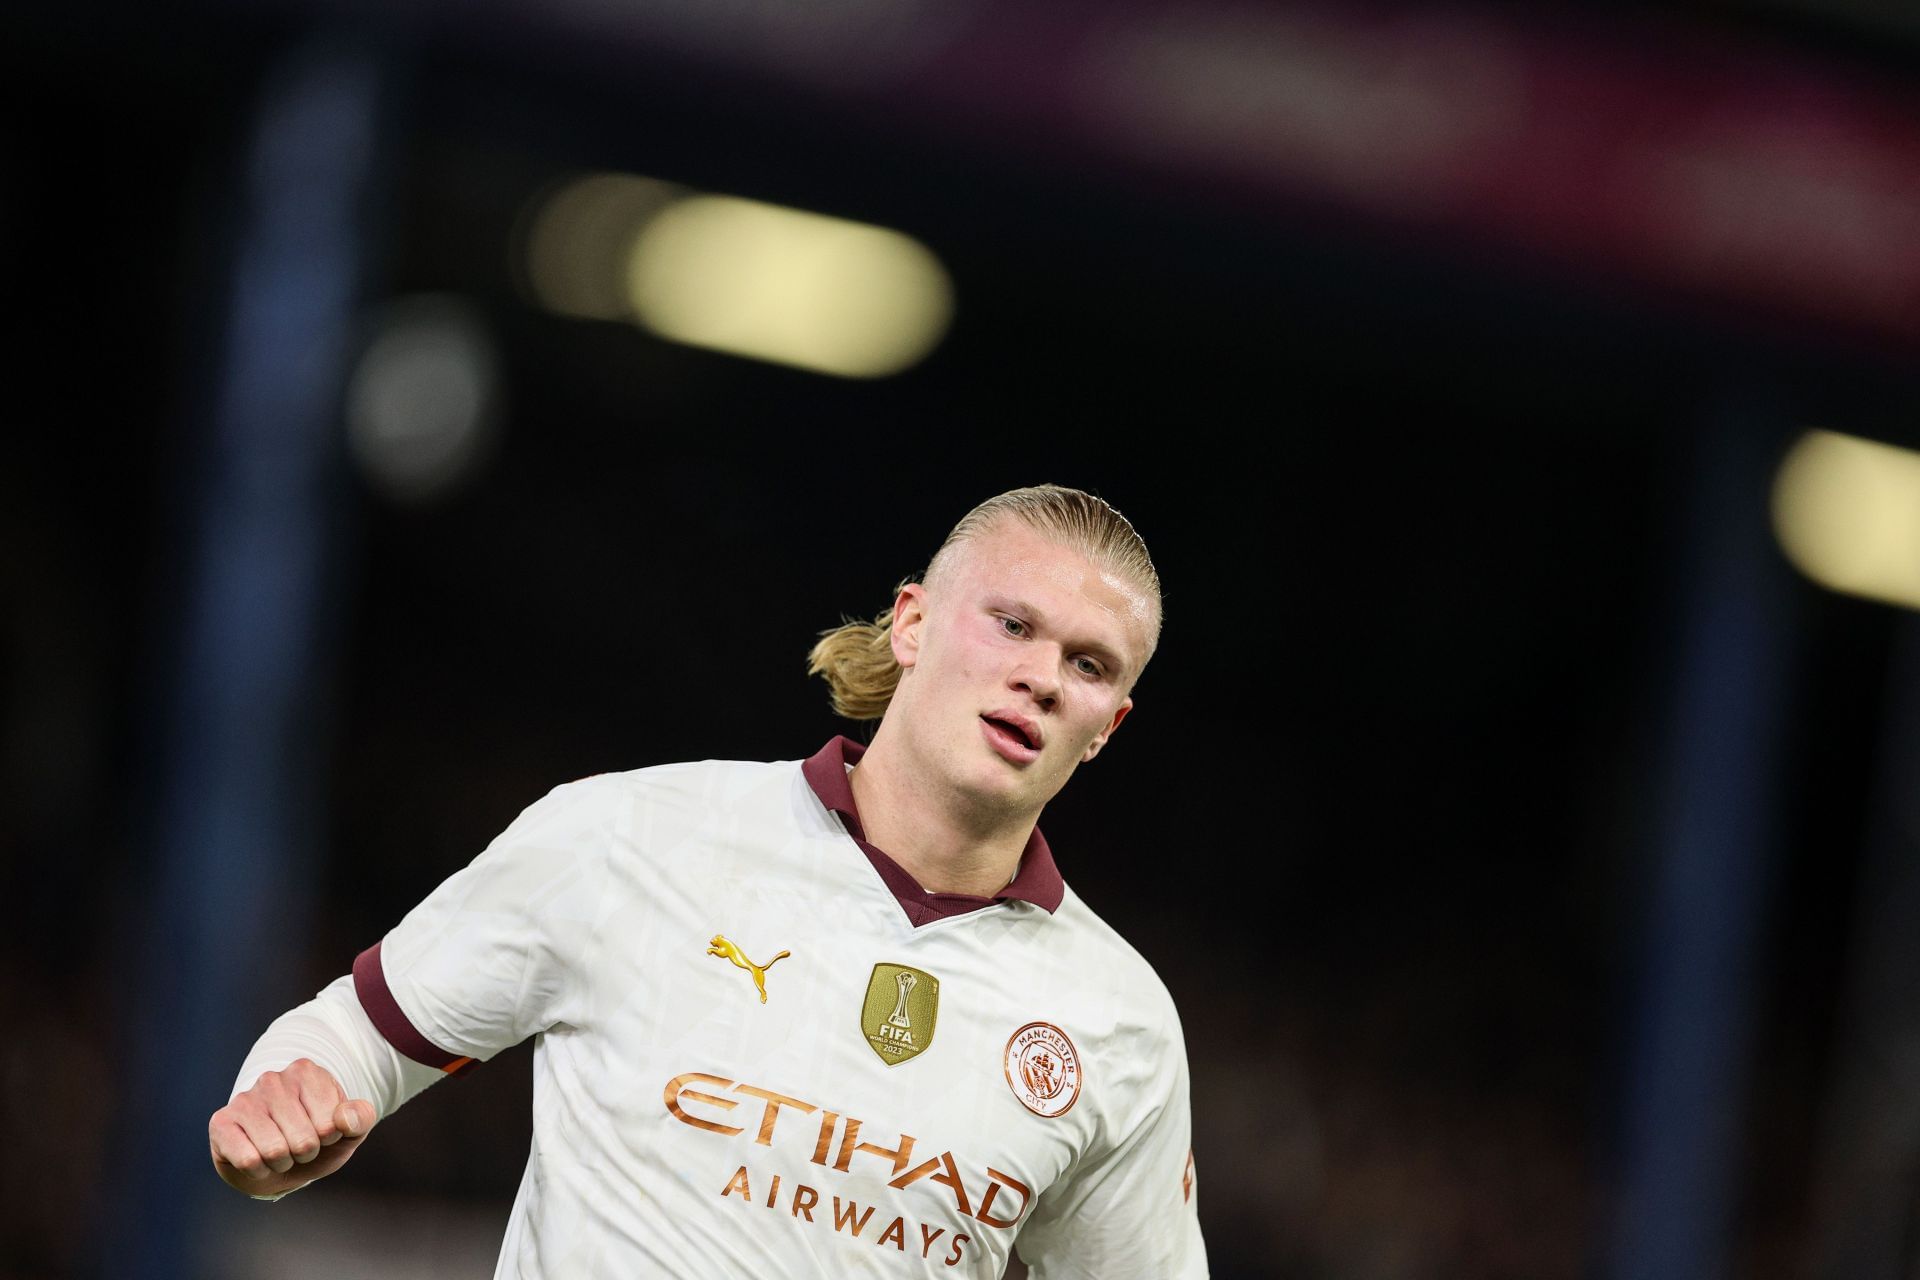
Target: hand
{"type": "Point", "coordinates": [291, 1127]}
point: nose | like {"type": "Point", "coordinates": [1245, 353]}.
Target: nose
{"type": "Point", "coordinates": [1038, 677]}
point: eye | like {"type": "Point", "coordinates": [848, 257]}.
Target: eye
{"type": "Point", "coordinates": [1088, 667]}
{"type": "Point", "coordinates": [1013, 626]}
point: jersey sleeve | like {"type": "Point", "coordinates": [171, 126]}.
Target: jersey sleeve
{"type": "Point", "coordinates": [333, 1030]}
{"type": "Point", "coordinates": [499, 951]}
{"type": "Point", "coordinates": [1129, 1211]}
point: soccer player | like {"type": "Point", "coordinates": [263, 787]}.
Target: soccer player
{"type": "Point", "coordinates": [823, 1018]}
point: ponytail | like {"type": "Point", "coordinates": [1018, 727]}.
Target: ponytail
{"type": "Point", "coordinates": [856, 660]}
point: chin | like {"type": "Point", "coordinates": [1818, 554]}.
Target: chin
{"type": "Point", "coordinates": [993, 779]}
{"type": "Point", "coordinates": [1033, 788]}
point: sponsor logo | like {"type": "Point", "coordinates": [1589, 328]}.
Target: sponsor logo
{"type": "Point", "coordinates": [1043, 1069]}
{"type": "Point", "coordinates": [850, 1217]}
{"type": "Point", "coordinates": [728, 951]}
{"type": "Point", "coordinates": [992, 1199]}
{"type": "Point", "coordinates": [901, 1008]}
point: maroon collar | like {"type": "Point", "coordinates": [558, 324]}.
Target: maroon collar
{"type": "Point", "coordinates": [1038, 882]}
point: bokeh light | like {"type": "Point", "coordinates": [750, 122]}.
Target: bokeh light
{"type": "Point", "coordinates": [576, 242]}
{"type": "Point", "coordinates": [789, 286]}
{"type": "Point", "coordinates": [1847, 513]}
{"type": "Point", "coordinates": [739, 276]}
{"type": "Point", "coordinates": [423, 404]}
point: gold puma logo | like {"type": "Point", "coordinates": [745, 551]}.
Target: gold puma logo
{"type": "Point", "coordinates": [727, 951]}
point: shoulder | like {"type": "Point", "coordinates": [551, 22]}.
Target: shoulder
{"type": "Point", "coordinates": [1089, 934]}
{"type": "Point", "coordinates": [1114, 975]}
{"type": "Point", "coordinates": [661, 806]}
{"type": "Point", "coordinates": [596, 829]}
{"type": "Point", "coordinates": [1116, 1014]}
{"type": "Point", "coordinates": [700, 781]}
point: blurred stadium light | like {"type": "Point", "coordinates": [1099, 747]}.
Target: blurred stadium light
{"type": "Point", "coordinates": [576, 241]}
{"type": "Point", "coordinates": [423, 405]}
{"type": "Point", "coordinates": [739, 276]}
{"type": "Point", "coordinates": [788, 286]}
{"type": "Point", "coordinates": [1847, 513]}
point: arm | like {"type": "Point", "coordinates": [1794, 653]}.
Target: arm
{"type": "Point", "coordinates": [315, 1083]}
{"type": "Point", "coordinates": [489, 958]}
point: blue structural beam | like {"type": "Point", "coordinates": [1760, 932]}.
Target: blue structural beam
{"type": "Point", "coordinates": [240, 734]}
{"type": "Point", "coordinates": [1691, 1036]}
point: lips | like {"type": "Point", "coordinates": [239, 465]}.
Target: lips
{"type": "Point", "coordinates": [1013, 736]}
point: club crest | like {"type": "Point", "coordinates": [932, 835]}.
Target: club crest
{"type": "Point", "coordinates": [901, 1009]}
{"type": "Point", "coordinates": [1043, 1069]}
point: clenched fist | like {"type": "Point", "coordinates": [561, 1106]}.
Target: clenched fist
{"type": "Point", "coordinates": [293, 1126]}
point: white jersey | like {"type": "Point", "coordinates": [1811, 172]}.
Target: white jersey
{"type": "Point", "coordinates": [750, 1061]}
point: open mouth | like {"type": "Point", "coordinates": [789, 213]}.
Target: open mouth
{"type": "Point", "coordinates": [1014, 737]}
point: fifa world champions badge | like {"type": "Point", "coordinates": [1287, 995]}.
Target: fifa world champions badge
{"type": "Point", "coordinates": [1043, 1069]}
{"type": "Point", "coordinates": [901, 1010]}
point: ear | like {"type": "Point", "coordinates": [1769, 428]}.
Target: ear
{"type": "Point", "coordinates": [1100, 740]}
{"type": "Point", "coordinates": [909, 613]}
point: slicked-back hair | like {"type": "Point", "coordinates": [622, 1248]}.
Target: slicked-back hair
{"type": "Point", "coordinates": [856, 658]}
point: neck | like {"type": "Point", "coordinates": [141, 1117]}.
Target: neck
{"type": "Point", "coordinates": [944, 843]}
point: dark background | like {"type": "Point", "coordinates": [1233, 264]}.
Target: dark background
{"type": "Point", "coordinates": [1475, 635]}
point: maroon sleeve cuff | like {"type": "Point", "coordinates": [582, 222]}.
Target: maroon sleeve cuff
{"type": "Point", "coordinates": [370, 984]}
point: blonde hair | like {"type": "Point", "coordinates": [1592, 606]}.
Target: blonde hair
{"type": "Point", "coordinates": [856, 658]}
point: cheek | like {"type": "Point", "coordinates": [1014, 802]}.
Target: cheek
{"type": "Point", "coordinates": [1089, 721]}
{"type": "Point", "coordinates": [966, 660]}
{"type": "Point", "coordinates": [950, 678]}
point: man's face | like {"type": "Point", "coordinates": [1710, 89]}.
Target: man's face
{"type": "Point", "coordinates": [1018, 660]}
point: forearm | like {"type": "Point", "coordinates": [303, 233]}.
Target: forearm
{"type": "Point", "coordinates": [335, 1032]}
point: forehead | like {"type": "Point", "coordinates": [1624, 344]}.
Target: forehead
{"type": "Point", "coordinates": [1012, 559]}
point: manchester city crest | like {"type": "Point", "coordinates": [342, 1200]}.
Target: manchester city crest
{"type": "Point", "coordinates": [900, 1011]}
{"type": "Point", "coordinates": [1043, 1069]}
